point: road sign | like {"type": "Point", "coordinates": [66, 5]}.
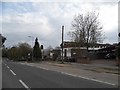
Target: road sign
{"type": "Point", "coordinates": [41, 46]}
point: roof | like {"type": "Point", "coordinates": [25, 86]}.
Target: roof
{"type": "Point", "coordinates": [76, 44]}
{"type": "Point", "coordinates": [110, 48]}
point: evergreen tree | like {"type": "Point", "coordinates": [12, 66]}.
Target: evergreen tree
{"type": "Point", "coordinates": [37, 50]}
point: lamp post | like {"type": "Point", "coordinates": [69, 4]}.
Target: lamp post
{"type": "Point", "coordinates": [32, 38]}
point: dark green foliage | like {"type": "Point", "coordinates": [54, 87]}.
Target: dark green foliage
{"type": "Point", "coordinates": [37, 50]}
{"type": "Point", "coordinates": [4, 52]}
{"type": "Point", "coordinates": [24, 49]}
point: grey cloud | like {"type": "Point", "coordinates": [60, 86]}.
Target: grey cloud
{"type": "Point", "coordinates": [111, 37]}
{"type": "Point", "coordinates": [50, 17]}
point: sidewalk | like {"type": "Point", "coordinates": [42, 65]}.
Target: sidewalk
{"type": "Point", "coordinates": [96, 65]}
{"type": "Point", "coordinates": [86, 71]}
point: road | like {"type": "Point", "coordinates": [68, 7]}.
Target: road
{"type": "Point", "coordinates": [16, 75]}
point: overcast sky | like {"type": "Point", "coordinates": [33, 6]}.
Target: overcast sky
{"type": "Point", "coordinates": [44, 19]}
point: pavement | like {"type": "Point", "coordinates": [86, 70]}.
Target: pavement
{"type": "Point", "coordinates": [104, 66]}
{"type": "Point", "coordinates": [100, 71]}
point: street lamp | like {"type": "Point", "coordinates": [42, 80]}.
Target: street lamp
{"type": "Point", "coordinates": [32, 45]}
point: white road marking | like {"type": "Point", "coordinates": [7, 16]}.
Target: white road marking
{"type": "Point", "coordinates": [38, 67]}
{"type": "Point", "coordinates": [24, 84]}
{"type": "Point", "coordinates": [12, 72]}
{"type": "Point", "coordinates": [103, 82]}
{"type": "Point", "coordinates": [44, 68]}
{"type": "Point", "coordinates": [78, 76]}
{"type": "Point", "coordinates": [7, 67]}
{"type": "Point", "coordinates": [81, 77]}
{"type": "Point", "coordinates": [88, 78]}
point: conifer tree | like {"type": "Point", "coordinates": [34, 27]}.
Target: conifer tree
{"type": "Point", "coordinates": [37, 50]}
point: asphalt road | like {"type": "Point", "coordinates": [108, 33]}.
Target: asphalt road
{"type": "Point", "coordinates": [15, 75]}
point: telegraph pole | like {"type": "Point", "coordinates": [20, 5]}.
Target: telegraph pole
{"type": "Point", "coordinates": [62, 42]}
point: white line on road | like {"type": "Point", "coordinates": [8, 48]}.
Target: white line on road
{"type": "Point", "coordinates": [44, 68]}
{"type": "Point", "coordinates": [81, 77]}
{"type": "Point", "coordinates": [7, 67]}
{"type": "Point", "coordinates": [78, 76]}
{"type": "Point", "coordinates": [12, 72]}
{"type": "Point", "coordinates": [39, 67]}
{"type": "Point", "coordinates": [24, 84]}
{"type": "Point", "coordinates": [103, 82]}
{"type": "Point", "coordinates": [88, 78]}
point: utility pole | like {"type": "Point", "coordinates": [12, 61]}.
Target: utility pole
{"type": "Point", "coordinates": [62, 42]}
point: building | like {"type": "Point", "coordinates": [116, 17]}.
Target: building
{"type": "Point", "coordinates": [79, 51]}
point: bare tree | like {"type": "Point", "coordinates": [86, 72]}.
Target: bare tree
{"type": "Point", "coordinates": [19, 52]}
{"type": "Point", "coordinates": [87, 29]}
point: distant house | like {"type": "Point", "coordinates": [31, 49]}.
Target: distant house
{"type": "Point", "coordinates": [47, 53]}
{"type": "Point", "coordinates": [77, 50]}
{"type": "Point", "coordinates": [57, 54]}
{"type": "Point", "coordinates": [52, 54]}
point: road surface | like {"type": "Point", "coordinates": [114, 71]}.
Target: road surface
{"type": "Point", "coordinates": [16, 75]}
